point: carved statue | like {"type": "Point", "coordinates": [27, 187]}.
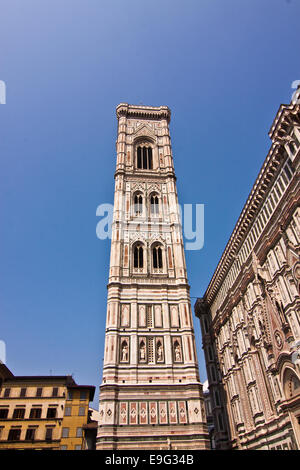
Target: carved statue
{"type": "Point", "coordinates": [177, 353]}
{"type": "Point", "coordinates": [142, 351]}
{"type": "Point", "coordinates": [124, 352]}
{"type": "Point", "coordinates": [159, 352]}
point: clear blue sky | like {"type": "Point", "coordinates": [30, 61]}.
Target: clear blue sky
{"type": "Point", "coordinates": [222, 66]}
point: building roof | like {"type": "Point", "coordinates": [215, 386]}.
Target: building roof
{"type": "Point", "coordinates": [65, 379]}
{"type": "Point", "coordinates": [5, 372]}
{"type": "Point", "coordinates": [41, 378]}
{"type": "Point", "coordinates": [253, 203]}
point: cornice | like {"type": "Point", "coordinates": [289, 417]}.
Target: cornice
{"type": "Point", "coordinates": [135, 175]}
{"type": "Point", "coordinates": [286, 116]}
{"type": "Point", "coordinates": [260, 189]}
{"type": "Point", "coordinates": [143, 112]}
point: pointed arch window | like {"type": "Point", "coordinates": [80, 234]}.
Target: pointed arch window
{"type": "Point", "coordinates": [144, 158]}
{"type": "Point", "coordinates": [138, 204]}
{"type": "Point", "coordinates": [138, 257]}
{"type": "Point", "coordinates": [157, 257]}
{"type": "Point", "coordinates": [154, 205]}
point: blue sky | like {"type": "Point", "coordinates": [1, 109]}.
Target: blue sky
{"type": "Point", "coordinates": [222, 66]}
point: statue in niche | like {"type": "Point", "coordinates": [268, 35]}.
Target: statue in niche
{"type": "Point", "coordinates": [177, 352]}
{"type": "Point", "coordinates": [159, 351]}
{"type": "Point", "coordinates": [124, 351]}
{"type": "Point", "coordinates": [142, 351]}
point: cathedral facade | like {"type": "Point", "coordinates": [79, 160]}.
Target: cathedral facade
{"type": "Point", "coordinates": [151, 395]}
{"type": "Point", "coordinates": [250, 312]}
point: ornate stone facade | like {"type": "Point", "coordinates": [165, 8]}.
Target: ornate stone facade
{"type": "Point", "coordinates": [250, 313]}
{"type": "Point", "coordinates": [151, 395]}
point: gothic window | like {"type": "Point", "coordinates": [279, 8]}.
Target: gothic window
{"type": "Point", "coordinates": [149, 316]}
{"type": "Point", "coordinates": [144, 158]}
{"type": "Point", "coordinates": [138, 204]}
{"type": "Point", "coordinates": [154, 205]}
{"type": "Point", "coordinates": [138, 256]}
{"type": "Point", "coordinates": [291, 384]}
{"type": "Point", "coordinates": [217, 398]}
{"type": "Point", "coordinates": [206, 327]}
{"type": "Point", "coordinates": [220, 422]}
{"type": "Point", "coordinates": [151, 350]}
{"type": "Point", "coordinates": [157, 257]}
{"type": "Point", "coordinates": [213, 373]}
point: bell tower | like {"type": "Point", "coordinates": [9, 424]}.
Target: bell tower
{"type": "Point", "coordinates": [151, 395]}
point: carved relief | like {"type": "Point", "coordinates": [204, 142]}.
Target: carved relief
{"type": "Point", "coordinates": [123, 413]}
{"type": "Point", "coordinates": [143, 413]}
{"type": "Point", "coordinates": [142, 315]}
{"type": "Point", "coordinates": [153, 413]}
{"type": "Point", "coordinates": [174, 314]}
{"type": "Point", "coordinates": [138, 187]}
{"type": "Point", "coordinates": [125, 256]}
{"type": "Point", "coordinates": [153, 187]}
{"type": "Point", "coordinates": [163, 413]}
{"type": "Point", "coordinates": [173, 412]}
{"type": "Point", "coordinates": [182, 412]}
{"type": "Point", "coordinates": [278, 339]}
{"type": "Point", "coordinates": [133, 413]}
{"type": "Point", "coordinates": [157, 316]}
{"type": "Point", "coordinates": [144, 130]}
{"type": "Point", "coordinates": [125, 315]}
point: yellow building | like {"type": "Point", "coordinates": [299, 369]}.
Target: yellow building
{"type": "Point", "coordinates": [43, 412]}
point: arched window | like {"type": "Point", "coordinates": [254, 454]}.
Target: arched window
{"type": "Point", "coordinates": [206, 328]}
{"type": "Point", "coordinates": [157, 257]}
{"type": "Point", "coordinates": [138, 204]}
{"type": "Point", "coordinates": [138, 256]}
{"type": "Point", "coordinates": [144, 157]}
{"type": "Point", "coordinates": [217, 398]}
{"type": "Point", "coordinates": [220, 422]}
{"type": "Point", "coordinates": [210, 353]}
{"type": "Point", "coordinates": [154, 205]}
{"type": "Point", "coordinates": [291, 384]}
{"type": "Point", "coordinates": [213, 373]}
